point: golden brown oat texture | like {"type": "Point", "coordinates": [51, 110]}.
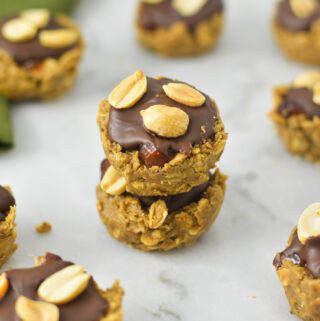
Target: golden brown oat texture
{"type": "Point", "coordinates": [43, 227]}
{"type": "Point", "coordinates": [129, 223]}
{"type": "Point", "coordinates": [47, 80]}
{"type": "Point", "coordinates": [112, 295]}
{"type": "Point", "coordinates": [301, 289]}
{"type": "Point", "coordinates": [300, 135]}
{"type": "Point", "coordinates": [302, 46]}
{"type": "Point", "coordinates": [8, 235]}
{"type": "Point", "coordinates": [179, 41]}
{"type": "Point", "coordinates": [180, 175]}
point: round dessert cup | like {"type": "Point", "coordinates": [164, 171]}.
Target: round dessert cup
{"type": "Point", "coordinates": [179, 175]}
{"type": "Point", "coordinates": [300, 135]}
{"type": "Point", "coordinates": [48, 79]}
{"type": "Point", "coordinates": [301, 289]}
{"type": "Point", "coordinates": [131, 223]}
{"type": "Point", "coordinates": [302, 46]}
{"type": "Point", "coordinates": [178, 40]}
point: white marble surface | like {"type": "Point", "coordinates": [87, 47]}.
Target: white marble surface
{"type": "Point", "coordinates": [53, 171]}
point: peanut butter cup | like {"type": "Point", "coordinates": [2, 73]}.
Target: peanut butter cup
{"type": "Point", "coordinates": [179, 27]}
{"type": "Point", "coordinates": [59, 290]}
{"type": "Point", "coordinates": [296, 28]}
{"type": "Point", "coordinates": [36, 50]}
{"type": "Point", "coordinates": [7, 224]}
{"type": "Point", "coordinates": [162, 223]}
{"type": "Point", "coordinates": [162, 135]}
{"type": "Point", "coordinates": [296, 115]}
{"type": "Point", "coordinates": [298, 266]}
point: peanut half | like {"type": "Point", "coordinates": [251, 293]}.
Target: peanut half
{"type": "Point", "coordinates": [307, 79]}
{"type": "Point", "coordinates": [188, 8]}
{"type": "Point", "coordinates": [18, 30]}
{"type": "Point", "coordinates": [59, 38]}
{"type": "Point", "coordinates": [29, 310]}
{"type": "Point", "coordinates": [129, 91]}
{"type": "Point", "coordinates": [169, 122]}
{"type": "Point", "coordinates": [184, 94]}
{"type": "Point", "coordinates": [39, 17]}
{"type": "Point", "coordinates": [309, 223]}
{"type": "Point", "coordinates": [303, 8]}
{"type": "Point", "coordinates": [4, 285]}
{"type": "Point", "coordinates": [64, 285]}
{"type": "Point", "coordinates": [113, 183]}
{"type": "Point", "coordinates": [158, 213]}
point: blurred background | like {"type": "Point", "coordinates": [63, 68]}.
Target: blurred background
{"type": "Point", "coordinates": [54, 167]}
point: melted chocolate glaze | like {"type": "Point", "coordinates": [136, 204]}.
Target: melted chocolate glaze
{"type": "Point", "coordinates": [29, 53]}
{"type": "Point", "coordinates": [174, 202]}
{"type": "Point", "coordinates": [307, 256]}
{"type": "Point", "coordinates": [89, 306]}
{"type": "Point", "coordinates": [287, 19]}
{"type": "Point", "coordinates": [153, 16]}
{"type": "Point", "coordinates": [299, 101]}
{"type": "Point", "coordinates": [126, 125]}
{"type": "Point", "coordinates": [6, 201]}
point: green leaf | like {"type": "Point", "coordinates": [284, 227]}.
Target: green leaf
{"type": "Point", "coordinates": [6, 130]}
{"type": "Point", "coordinates": [8, 7]}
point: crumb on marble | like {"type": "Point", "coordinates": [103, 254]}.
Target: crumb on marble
{"type": "Point", "coordinates": [43, 227]}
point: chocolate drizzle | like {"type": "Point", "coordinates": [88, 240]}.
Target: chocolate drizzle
{"type": "Point", "coordinates": [299, 101]}
{"type": "Point", "coordinates": [307, 256]}
{"type": "Point", "coordinates": [29, 53]}
{"type": "Point", "coordinates": [163, 15]}
{"type": "Point", "coordinates": [173, 202]}
{"type": "Point", "coordinates": [89, 306]}
{"type": "Point", "coordinates": [287, 19]}
{"type": "Point", "coordinates": [6, 201]}
{"type": "Point", "coordinates": [126, 128]}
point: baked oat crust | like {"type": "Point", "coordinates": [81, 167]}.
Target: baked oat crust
{"type": "Point", "coordinates": [301, 289]}
{"type": "Point", "coordinates": [300, 135]}
{"type": "Point", "coordinates": [8, 236]}
{"type": "Point", "coordinates": [178, 40]}
{"type": "Point", "coordinates": [50, 79]}
{"type": "Point", "coordinates": [180, 175]}
{"type": "Point", "coordinates": [129, 223]}
{"type": "Point", "coordinates": [302, 46]}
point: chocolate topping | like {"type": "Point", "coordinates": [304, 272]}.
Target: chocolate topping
{"type": "Point", "coordinates": [29, 53]}
{"type": "Point", "coordinates": [89, 306]}
{"type": "Point", "coordinates": [152, 16]}
{"type": "Point", "coordinates": [174, 202]}
{"type": "Point", "coordinates": [126, 125]}
{"type": "Point", "coordinates": [287, 19]}
{"type": "Point", "coordinates": [178, 201]}
{"type": "Point", "coordinates": [6, 201]}
{"type": "Point", "coordinates": [299, 101]}
{"type": "Point", "coordinates": [307, 256]}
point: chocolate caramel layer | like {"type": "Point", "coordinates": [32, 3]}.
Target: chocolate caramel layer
{"type": "Point", "coordinates": [29, 53]}
{"type": "Point", "coordinates": [6, 201]}
{"type": "Point", "coordinates": [299, 101]}
{"type": "Point", "coordinates": [163, 15]}
{"type": "Point", "coordinates": [287, 19]}
{"type": "Point", "coordinates": [89, 306]}
{"type": "Point", "coordinates": [173, 202]}
{"type": "Point", "coordinates": [307, 256]}
{"type": "Point", "coordinates": [126, 127]}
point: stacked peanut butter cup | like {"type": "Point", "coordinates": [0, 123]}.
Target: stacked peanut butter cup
{"type": "Point", "coordinates": [159, 186]}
